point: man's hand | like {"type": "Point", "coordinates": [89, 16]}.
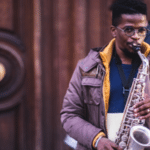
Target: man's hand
{"type": "Point", "coordinates": [142, 109]}
{"type": "Point", "coordinates": [106, 144]}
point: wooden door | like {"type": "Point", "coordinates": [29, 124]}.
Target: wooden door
{"type": "Point", "coordinates": [17, 109]}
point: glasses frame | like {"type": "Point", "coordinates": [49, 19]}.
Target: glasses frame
{"type": "Point", "coordinates": [147, 30]}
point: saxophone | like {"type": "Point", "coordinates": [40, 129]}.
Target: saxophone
{"type": "Point", "coordinates": [132, 134]}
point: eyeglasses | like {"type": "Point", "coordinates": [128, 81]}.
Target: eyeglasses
{"type": "Point", "coordinates": [130, 31]}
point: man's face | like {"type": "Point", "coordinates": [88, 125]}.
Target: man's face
{"type": "Point", "coordinates": [124, 42]}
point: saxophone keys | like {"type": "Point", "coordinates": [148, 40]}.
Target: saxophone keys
{"type": "Point", "coordinates": [139, 86]}
{"type": "Point", "coordinates": [122, 144]}
{"type": "Point", "coordinates": [124, 138]}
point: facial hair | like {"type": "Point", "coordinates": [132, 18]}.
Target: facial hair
{"type": "Point", "coordinates": [129, 54]}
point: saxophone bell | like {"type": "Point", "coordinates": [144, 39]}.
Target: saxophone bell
{"type": "Point", "coordinates": [139, 138]}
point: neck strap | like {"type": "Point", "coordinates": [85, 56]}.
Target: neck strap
{"type": "Point", "coordinates": [127, 82]}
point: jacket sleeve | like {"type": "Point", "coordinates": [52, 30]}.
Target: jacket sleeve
{"type": "Point", "coordinates": [73, 113]}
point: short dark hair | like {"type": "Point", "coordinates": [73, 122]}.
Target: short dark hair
{"type": "Point", "coordinates": [120, 7]}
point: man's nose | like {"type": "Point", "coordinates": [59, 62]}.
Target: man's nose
{"type": "Point", "coordinates": [136, 34]}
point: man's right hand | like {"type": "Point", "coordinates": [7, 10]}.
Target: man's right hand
{"type": "Point", "coordinates": [106, 144]}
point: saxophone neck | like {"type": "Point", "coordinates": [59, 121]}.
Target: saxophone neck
{"type": "Point", "coordinates": [145, 62]}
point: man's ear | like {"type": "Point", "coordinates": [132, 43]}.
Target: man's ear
{"type": "Point", "coordinates": [113, 31]}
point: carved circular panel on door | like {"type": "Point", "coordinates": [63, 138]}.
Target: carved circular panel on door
{"type": "Point", "coordinates": [12, 70]}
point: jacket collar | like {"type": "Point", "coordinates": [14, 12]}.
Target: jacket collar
{"type": "Point", "coordinates": [106, 54]}
{"type": "Point", "coordinates": [93, 58]}
{"type": "Point", "coordinates": [146, 48]}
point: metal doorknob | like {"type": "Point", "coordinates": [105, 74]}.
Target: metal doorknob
{"type": "Point", "coordinates": [2, 72]}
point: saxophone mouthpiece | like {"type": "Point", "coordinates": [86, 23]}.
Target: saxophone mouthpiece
{"type": "Point", "coordinates": [136, 47]}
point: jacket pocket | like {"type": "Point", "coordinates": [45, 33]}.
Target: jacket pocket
{"type": "Point", "coordinates": [92, 90]}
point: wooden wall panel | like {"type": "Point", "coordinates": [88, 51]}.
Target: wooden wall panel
{"type": "Point", "coordinates": [79, 30]}
{"type": "Point", "coordinates": [16, 22]}
{"type": "Point", "coordinates": [56, 34]}
{"type": "Point", "coordinates": [105, 22]}
{"type": "Point", "coordinates": [55, 38]}
{"type": "Point", "coordinates": [6, 14]}
{"type": "Point", "coordinates": [148, 8]}
{"type": "Point", "coordinates": [37, 73]}
{"type": "Point", "coordinates": [24, 28]}
{"type": "Point", "coordinates": [69, 29]}
{"type": "Point", "coordinates": [93, 24]}
{"type": "Point", "coordinates": [12, 92]}
{"type": "Point", "coordinates": [60, 74]}
{"type": "Point", "coordinates": [47, 39]}
{"type": "Point", "coordinates": [7, 132]}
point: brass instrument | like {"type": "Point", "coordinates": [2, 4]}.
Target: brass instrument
{"type": "Point", "coordinates": [132, 134]}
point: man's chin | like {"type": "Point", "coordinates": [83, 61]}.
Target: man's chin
{"type": "Point", "coordinates": [130, 52]}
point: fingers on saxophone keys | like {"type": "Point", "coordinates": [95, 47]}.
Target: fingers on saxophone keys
{"type": "Point", "coordinates": [141, 108]}
{"type": "Point", "coordinates": [138, 104]}
{"type": "Point", "coordinates": [138, 112]}
{"type": "Point", "coordinates": [143, 114]}
{"type": "Point", "coordinates": [145, 117]}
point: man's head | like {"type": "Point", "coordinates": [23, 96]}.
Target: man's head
{"type": "Point", "coordinates": [120, 7]}
{"type": "Point", "coordinates": [129, 24]}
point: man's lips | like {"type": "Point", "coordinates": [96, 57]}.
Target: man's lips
{"type": "Point", "coordinates": [134, 46]}
{"type": "Point", "coordinates": [131, 45]}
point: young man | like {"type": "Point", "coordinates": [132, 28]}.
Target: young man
{"type": "Point", "coordinates": [97, 93]}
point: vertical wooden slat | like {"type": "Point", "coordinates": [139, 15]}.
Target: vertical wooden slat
{"type": "Point", "coordinates": [79, 28]}
{"type": "Point", "coordinates": [93, 23]}
{"type": "Point", "coordinates": [20, 126]}
{"type": "Point", "coordinates": [6, 14]}
{"type": "Point", "coordinates": [148, 8]}
{"type": "Point", "coordinates": [61, 48]}
{"type": "Point", "coordinates": [105, 22]}
{"type": "Point", "coordinates": [37, 73]}
{"type": "Point", "coordinates": [24, 28]}
{"type": "Point", "coordinates": [47, 72]}
{"type": "Point", "coordinates": [62, 27]}
{"type": "Point", "coordinates": [7, 130]}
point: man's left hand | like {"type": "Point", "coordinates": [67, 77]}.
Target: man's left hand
{"type": "Point", "coordinates": [142, 109]}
